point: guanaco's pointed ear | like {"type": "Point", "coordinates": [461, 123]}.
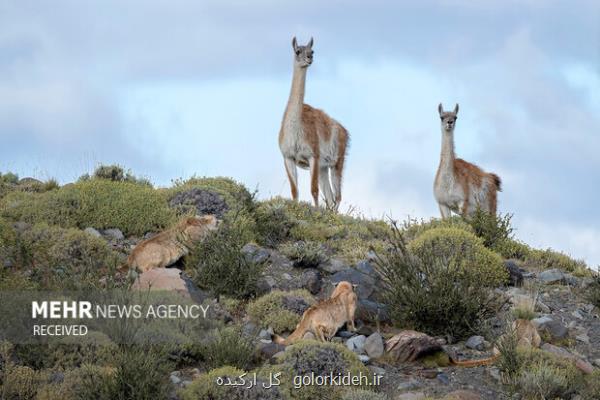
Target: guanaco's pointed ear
{"type": "Point", "coordinates": [294, 43]}
{"type": "Point", "coordinates": [440, 108]}
{"type": "Point", "coordinates": [310, 43]}
{"type": "Point", "coordinates": [456, 109]}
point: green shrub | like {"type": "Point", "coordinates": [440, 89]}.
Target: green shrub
{"type": "Point", "coordinates": [10, 178]}
{"type": "Point", "coordinates": [206, 387]}
{"type": "Point", "coordinates": [442, 286]}
{"type": "Point", "coordinates": [413, 228]}
{"type": "Point", "coordinates": [305, 254]}
{"type": "Point", "coordinates": [543, 380]}
{"type": "Point", "coordinates": [348, 237]}
{"type": "Point", "coordinates": [217, 264]}
{"type": "Point", "coordinates": [465, 251]}
{"type": "Point", "coordinates": [491, 228]}
{"type": "Point", "coordinates": [513, 249]}
{"type": "Point", "coordinates": [363, 394]}
{"type": "Point", "coordinates": [270, 311]}
{"type": "Point", "coordinates": [322, 359]}
{"type": "Point", "coordinates": [273, 222]}
{"type": "Point", "coordinates": [591, 386]}
{"type": "Point", "coordinates": [229, 347]}
{"type": "Point", "coordinates": [132, 208]}
{"type": "Point", "coordinates": [550, 259]}
{"type": "Point", "coordinates": [593, 291]}
{"type": "Point", "coordinates": [19, 383]}
{"type": "Point", "coordinates": [67, 258]}
{"type": "Point", "coordinates": [115, 173]}
{"type": "Point", "coordinates": [235, 194]}
{"type": "Point", "coordinates": [509, 361]}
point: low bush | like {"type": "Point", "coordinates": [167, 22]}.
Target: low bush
{"type": "Point", "coordinates": [206, 387]}
{"type": "Point", "coordinates": [19, 383]}
{"type": "Point", "coordinates": [115, 173]}
{"type": "Point", "coordinates": [270, 310]}
{"type": "Point", "coordinates": [545, 380]}
{"type": "Point", "coordinates": [134, 209]}
{"type": "Point", "coordinates": [321, 359]}
{"type": "Point", "coordinates": [305, 254]}
{"type": "Point", "coordinates": [413, 228]}
{"type": "Point", "coordinates": [67, 258]}
{"type": "Point", "coordinates": [363, 394]}
{"type": "Point", "coordinates": [550, 259]}
{"type": "Point", "coordinates": [273, 222]}
{"type": "Point", "coordinates": [229, 347]}
{"type": "Point", "coordinates": [493, 229]}
{"type": "Point", "coordinates": [593, 291]}
{"type": "Point", "coordinates": [591, 386]}
{"type": "Point", "coordinates": [440, 283]}
{"type": "Point", "coordinates": [217, 264]}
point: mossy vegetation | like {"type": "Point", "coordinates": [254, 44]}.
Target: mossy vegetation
{"type": "Point", "coordinates": [270, 310]}
{"type": "Point", "coordinates": [305, 254]}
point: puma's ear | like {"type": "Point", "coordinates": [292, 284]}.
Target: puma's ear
{"type": "Point", "coordinates": [456, 109]}
{"type": "Point", "coordinates": [440, 109]}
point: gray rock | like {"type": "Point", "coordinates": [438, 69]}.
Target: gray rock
{"type": "Point", "coordinates": [268, 350]}
{"type": "Point", "coordinates": [551, 276]}
{"type": "Point", "coordinates": [372, 311]}
{"type": "Point", "coordinates": [374, 346]}
{"type": "Point", "coordinates": [443, 378]}
{"type": "Point", "coordinates": [476, 343]}
{"type": "Point", "coordinates": [377, 370]}
{"type": "Point", "coordinates": [364, 358]}
{"type": "Point", "coordinates": [249, 329]}
{"type": "Point", "coordinates": [366, 283]}
{"type": "Point", "coordinates": [254, 253]}
{"type": "Point", "coordinates": [541, 307]}
{"type": "Point", "coordinates": [175, 380]}
{"type": "Point", "coordinates": [265, 333]}
{"type": "Point", "coordinates": [555, 329]}
{"type": "Point", "coordinates": [114, 233]}
{"type": "Point", "coordinates": [93, 232]}
{"type": "Point", "coordinates": [345, 334]}
{"type": "Point", "coordinates": [311, 280]}
{"type": "Point", "coordinates": [309, 336]}
{"type": "Point", "coordinates": [201, 201]}
{"type": "Point", "coordinates": [411, 396]}
{"type": "Point", "coordinates": [541, 321]}
{"type": "Point", "coordinates": [596, 362]}
{"type": "Point", "coordinates": [295, 304]}
{"type": "Point", "coordinates": [357, 343]}
{"type": "Point", "coordinates": [333, 265]}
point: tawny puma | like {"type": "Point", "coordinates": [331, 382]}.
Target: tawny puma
{"type": "Point", "coordinates": [169, 246]}
{"type": "Point", "coordinates": [326, 317]}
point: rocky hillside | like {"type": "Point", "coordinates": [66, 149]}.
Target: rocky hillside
{"type": "Point", "coordinates": [430, 293]}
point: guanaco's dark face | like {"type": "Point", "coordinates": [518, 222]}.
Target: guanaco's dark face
{"type": "Point", "coordinates": [303, 55]}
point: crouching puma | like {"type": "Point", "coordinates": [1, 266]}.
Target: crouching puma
{"type": "Point", "coordinates": [326, 317]}
{"type": "Point", "coordinates": [169, 246]}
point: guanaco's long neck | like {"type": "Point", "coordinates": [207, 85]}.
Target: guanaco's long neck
{"type": "Point", "coordinates": [296, 100]}
{"type": "Point", "coordinates": [447, 156]}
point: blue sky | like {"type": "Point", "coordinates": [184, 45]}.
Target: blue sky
{"type": "Point", "coordinates": [175, 88]}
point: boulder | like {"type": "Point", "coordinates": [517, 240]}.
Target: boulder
{"type": "Point", "coordinates": [201, 201]}
{"type": "Point", "coordinates": [580, 363]}
{"type": "Point", "coordinates": [554, 328]}
{"type": "Point", "coordinates": [114, 234]}
{"type": "Point", "coordinates": [92, 232]}
{"type": "Point", "coordinates": [311, 280]}
{"type": "Point", "coordinates": [552, 276]}
{"type": "Point", "coordinates": [169, 279]}
{"type": "Point", "coordinates": [476, 343]}
{"type": "Point", "coordinates": [365, 283]}
{"type": "Point", "coordinates": [357, 344]}
{"type": "Point", "coordinates": [374, 345]}
{"type": "Point", "coordinates": [256, 254]}
{"type": "Point", "coordinates": [333, 265]}
{"type": "Point", "coordinates": [372, 311]}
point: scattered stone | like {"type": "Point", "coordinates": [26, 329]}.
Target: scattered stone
{"type": "Point", "coordinates": [374, 346]}
{"type": "Point", "coordinates": [114, 234]}
{"type": "Point", "coordinates": [357, 343]}
{"type": "Point", "coordinates": [551, 276]}
{"type": "Point", "coordinates": [577, 314]}
{"type": "Point", "coordinates": [311, 280]}
{"type": "Point", "coordinates": [171, 279]}
{"type": "Point", "coordinates": [541, 321]}
{"type": "Point", "coordinates": [584, 366]}
{"type": "Point", "coordinates": [345, 334]}
{"type": "Point", "coordinates": [476, 343]}
{"type": "Point", "coordinates": [377, 370]}
{"type": "Point", "coordinates": [409, 384]}
{"type": "Point", "coordinates": [515, 273]}
{"type": "Point", "coordinates": [584, 338]}
{"type": "Point", "coordinates": [175, 377]}
{"type": "Point", "coordinates": [495, 373]}
{"type": "Point", "coordinates": [543, 308]}
{"type": "Point", "coordinates": [596, 362]}
{"type": "Point", "coordinates": [265, 334]}
{"type": "Point", "coordinates": [581, 364]}
{"type": "Point", "coordinates": [295, 304]}
{"type": "Point", "coordinates": [309, 336]}
{"type": "Point", "coordinates": [249, 329]}
{"type": "Point", "coordinates": [443, 378]}
{"type": "Point", "coordinates": [268, 350]}
{"type": "Point", "coordinates": [92, 232]}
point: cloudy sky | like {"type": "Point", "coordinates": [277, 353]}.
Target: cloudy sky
{"type": "Point", "coordinates": [176, 88]}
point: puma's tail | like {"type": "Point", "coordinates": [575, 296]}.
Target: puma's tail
{"type": "Point", "coordinates": [477, 363]}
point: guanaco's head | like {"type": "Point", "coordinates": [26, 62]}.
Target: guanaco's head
{"type": "Point", "coordinates": [448, 118]}
{"type": "Point", "coordinates": [198, 227]}
{"type": "Point", "coordinates": [303, 55]}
